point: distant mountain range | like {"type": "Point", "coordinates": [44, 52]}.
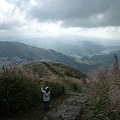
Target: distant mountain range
{"type": "Point", "coordinates": [83, 48]}
{"type": "Point", "coordinates": [105, 60]}
{"type": "Point", "coordinates": [31, 53]}
{"type": "Point", "coordinates": [75, 46]}
{"type": "Point", "coordinates": [16, 53]}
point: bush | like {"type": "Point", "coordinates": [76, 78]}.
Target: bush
{"type": "Point", "coordinates": [18, 90]}
{"type": "Point", "coordinates": [56, 88]}
{"type": "Point", "coordinates": [76, 86]}
{"type": "Point", "coordinates": [104, 95]}
{"type": "Point", "coordinates": [95, 108]}
{"type": "Point", "coordinates": [73, 84]}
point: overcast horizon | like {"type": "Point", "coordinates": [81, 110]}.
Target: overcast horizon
{"type": "Point", "coordinates": [24, 19]}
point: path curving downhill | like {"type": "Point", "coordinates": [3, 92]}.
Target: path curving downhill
{"type": "Point", "coordinates": [69, 109]}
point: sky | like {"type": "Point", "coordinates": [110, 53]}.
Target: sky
{"type": "Point", "coordinates": [22, 19]}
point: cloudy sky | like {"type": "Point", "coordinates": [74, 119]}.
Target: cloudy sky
{"type": "Point", "coordinates": [43, 18]}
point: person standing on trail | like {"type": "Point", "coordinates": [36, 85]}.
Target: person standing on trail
{"type": "Point", "coordinates": [46, 97]}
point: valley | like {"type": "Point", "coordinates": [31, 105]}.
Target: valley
{"type": "Point", "coordinates": [94, 56]}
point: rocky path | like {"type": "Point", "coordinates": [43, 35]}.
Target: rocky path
{"type": "Point", "coordinates": [69, 109]}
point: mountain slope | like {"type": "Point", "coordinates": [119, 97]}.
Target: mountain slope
{"type": "Point", "coordinates": [80, 48]}
{"type": "Point", "coordinates": [74, 46]}
{"type": "Point", "coordinates": [30, 53]}
{"type": "Point", "coordinates": [105, 59]}
{"type": "Point", "coordinates": [11, 49]}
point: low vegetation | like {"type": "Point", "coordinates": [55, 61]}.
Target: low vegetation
{"type": "Point", "coordinates": [47, 69]}
{"type": "Point", "coordinates": [103, 89]}
{"type": "Point", "coordinates": [20, 90]}
{"type": "Point", "coordinates": [68, 76]}
{"type": "Point", "coordinates": [20, 86]}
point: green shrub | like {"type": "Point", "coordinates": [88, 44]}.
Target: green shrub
{"type": "Point", "coordinates": [76, 86]}
{"type": "Point", "coordinates": [72, 84]}
{"type": "Point", "coordinates": [57, 89]}
{"type": "Point", "coordinates": [18, 90]}
{"type": "Point", "coordinates": [95, 108]}
{"type": "Point", "coordinates": [114, 114]}
{"type": "Point", "coordinates": [102, 88]}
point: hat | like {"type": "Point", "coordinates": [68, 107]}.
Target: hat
{"type": "Point", "coordinates": [46, 88]}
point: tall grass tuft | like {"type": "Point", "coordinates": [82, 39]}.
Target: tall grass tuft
{"type": "Point", "coordinates": [104, 94]}
{"type": "Point", "coordinates": [114, 83]}
{"type": "Point", "coordinates": [57, 89]}
{"type": "Point", "coordinates": [73, 84]}
{"type": "Point", "coordinates": [18, 90]}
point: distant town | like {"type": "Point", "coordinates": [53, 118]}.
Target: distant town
{"type": "Point", "coordinates": [6, 61]}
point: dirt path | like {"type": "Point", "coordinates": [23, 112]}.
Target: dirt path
{"type": "Point", "coordinates": [69, 109]}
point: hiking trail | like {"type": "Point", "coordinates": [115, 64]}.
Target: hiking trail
{"type": "Point", "coordinates": [69, 109]}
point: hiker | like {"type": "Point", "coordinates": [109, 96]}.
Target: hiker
{"type": "Point", "coordinates": [46, 97]}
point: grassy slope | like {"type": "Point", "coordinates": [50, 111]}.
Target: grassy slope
{"type": "Point", "coordinates": [68, 76]}
{"type": "Point", "coordinates": [48, 69]}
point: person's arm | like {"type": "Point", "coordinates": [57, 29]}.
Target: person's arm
{"type": "Point", "coordinates": [42, 89]}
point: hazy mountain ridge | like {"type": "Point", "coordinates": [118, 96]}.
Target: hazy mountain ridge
{"type": "Point", "coordinates": [15, 53]}
{"type": "Point", "coordinates": [24, 51]}
{"type": "Point", "coordinates": [31, 53]}
{"type": "Point", "coordinates": [105, 59]}
{"type": "Point", "coordinates": [83, 48]}
{"type": "Point", "coordinates": [75, 46]}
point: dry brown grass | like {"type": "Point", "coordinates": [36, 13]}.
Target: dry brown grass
{"type": "Point", "coordinates": [103, 90]}
{"type": "Point", "coordinates": [114, 83]}
{"type": "Point", "coordinates": [107, 78]}
{"type": "Point", "coordinates": [56, 72]}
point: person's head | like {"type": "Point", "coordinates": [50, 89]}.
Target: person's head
{"type": "Point", "coordinates": [47, 89]}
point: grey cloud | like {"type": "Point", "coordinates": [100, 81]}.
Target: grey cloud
{"type": "Point", "coordinates": [112, 15]}
{"type": "Point", "coordinates": [11, 25]}
{"type": "Point", "coordinates": [81, 13]}
{"type": "Point", "coordinates": [10, 18]}
{"type": "Point", "coordinates": [21, 4]}
{"type": "Point", "coordinates": [5, 27]}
